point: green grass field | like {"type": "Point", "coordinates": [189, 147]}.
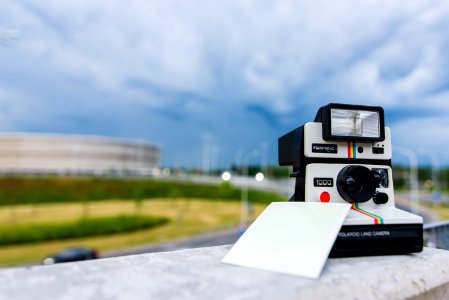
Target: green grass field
{"type": "Point", "coordinates": [83, 227]}
{"type": "Point", "coordinates": [187, 216]}
{"type": "Point", "coordinates": [56, 205]}
{"type": "Point", "coordinates": [33, 190]}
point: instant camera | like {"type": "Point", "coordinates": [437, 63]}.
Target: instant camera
{"type": "Point", "coordinates": [344, 156]}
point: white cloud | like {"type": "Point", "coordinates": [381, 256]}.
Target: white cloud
{"type": "Point", "coordinates": [428, 134]}
{"type": "Point", "coordinates": [282, 55]}
{"type": "Point", "coordinates": [272, 47]}
{"type": "Point", "coordinates": [404, 68]}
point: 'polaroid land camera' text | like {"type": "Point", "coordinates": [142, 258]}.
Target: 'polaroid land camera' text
{"type": "Point", "coordinates": [345, 156]}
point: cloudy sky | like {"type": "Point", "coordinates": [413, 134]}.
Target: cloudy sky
{"type": "Point", "coordinates": [228, 76]}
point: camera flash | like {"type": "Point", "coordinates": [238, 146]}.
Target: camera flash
{"type": "Point", "coordinates": [355, 123]}
{"type": "Point", "coordinates": [345, 122]}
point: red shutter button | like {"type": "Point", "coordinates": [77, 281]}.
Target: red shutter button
{"type": "Point", "coordinates": [325, 197]}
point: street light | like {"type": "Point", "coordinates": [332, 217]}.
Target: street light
{"type": "Point", "coordinates": [226, 176]}
{"type": "Point", "coordinates": [414, 185]}
{"type": "Point", "coordinates": [244, 195]}
{"type": "Point", "coordinates": [259, 176]}
{"type": "Point", "coordinates": [435, 171]}
{"type": "Point", "coordinates": [435, 166]}
{"type": "Point", "coordinates": [207, 138]}
{"type": "Point", "coordinates": [264, 157]}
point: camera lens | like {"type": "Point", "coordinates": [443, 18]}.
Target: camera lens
{"type": "Point", "coordinates": [356, 184]}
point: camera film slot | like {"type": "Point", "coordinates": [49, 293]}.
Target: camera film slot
{"type": "Point", "coordinates": [377, 219]}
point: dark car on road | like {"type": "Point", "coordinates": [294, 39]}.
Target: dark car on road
{"type": "Point", "coordinates": [71, 254]}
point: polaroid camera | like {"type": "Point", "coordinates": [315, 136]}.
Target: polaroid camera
{"type": "Point", "coordinates": [345, 157]}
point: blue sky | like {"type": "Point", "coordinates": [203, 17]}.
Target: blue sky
{"type": "Point", "coordinates": [230, 75]}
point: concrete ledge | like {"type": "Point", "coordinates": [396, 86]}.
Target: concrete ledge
{"type": "Point", "coordinates": [198, 274]}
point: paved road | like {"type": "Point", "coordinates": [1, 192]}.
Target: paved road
{"type": "Point", "coordinates": [403, 202]}
{"type": "Point", "coordinates": [216, 238]}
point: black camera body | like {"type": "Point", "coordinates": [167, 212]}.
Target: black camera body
{"type": "Point", "coordinates": [344, 156]}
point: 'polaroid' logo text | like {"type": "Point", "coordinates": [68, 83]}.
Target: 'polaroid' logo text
{"type": "Point", "coordinates": [324, 148]}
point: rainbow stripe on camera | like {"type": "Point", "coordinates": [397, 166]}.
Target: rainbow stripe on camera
{"type": "Point", "coordinates": [352, 150]}
{"type": "Point", "coordinates": [377, 219]}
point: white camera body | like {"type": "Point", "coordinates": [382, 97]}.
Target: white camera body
{"type": "Point", "coordinates": [344, 156]}
{"type": "Point", "coordinates": [321, 178]}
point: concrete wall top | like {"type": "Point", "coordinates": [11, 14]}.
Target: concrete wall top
{"type": "Point", "coordinates": [198, 274]}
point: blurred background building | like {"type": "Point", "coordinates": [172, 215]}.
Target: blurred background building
{"type": "Point", "coordinates": [24, 153]}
